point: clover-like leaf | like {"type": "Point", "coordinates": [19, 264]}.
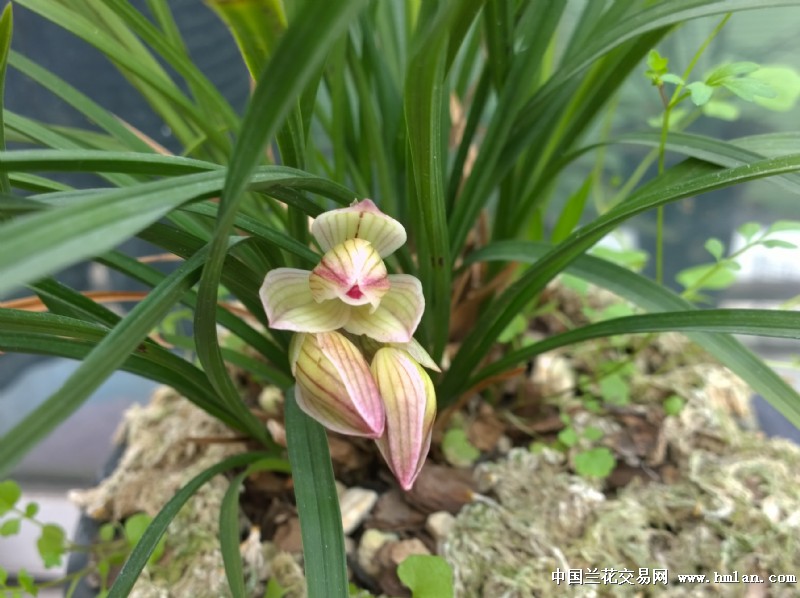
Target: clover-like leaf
{"type": "Point", "coordinates": [778, 243]}
{"type": "Point", "coordinates": [749, 89]}
{"type": "Point", "coordinates": [656, 66]}
{"type": "Point", "coordinates": [427, 576]}
{"type": "Point", "coordinates": [615, 390]}
{"type": "Point", "coordinates": [784, 81]}
{"type": "Point", "coordinates": [784, 225]}
{"type": "Point", "coordinates": [25, 581]}
{"type": "Point", "coordinates": [10, 493]}
{"type": "Point", "coordinates": [672, 78]}
{"type": "Point", "coordinates": [595, 463]}
{"type": "Point", "coordinates": [714, 277]}
{"type": "Point", "coordinates": [701, 93]}
{"type": "Point", "coordinates": [673, 405]}
{"type": "Point", "coordinates": [31, 509]}
{"type": "Point", "coordinates": [729, 71]}
{"type": "Point", "coordinates": [750, 229]}
{"type": "Point", "coordinates": [593, 433]}
{"type": "Point", "coordinates": [457, 448]}
{"type": "Point", "coordinates": [715, 247]}
{"type": "Point", "coordinates": [10, 527]}
{"type": "Point", "coordinates": [52, 545]}
{"type": "Point", "coordinates": [568, 437]}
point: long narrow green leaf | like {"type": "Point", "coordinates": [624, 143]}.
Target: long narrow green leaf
{"type": "Point", "coordinates": [317, 504]}
{"type": "Point", "coordinates": [49, 137]}
{"type": "Point", "coordinates": [653, 297]}
{"type": "Point", "coordinates": [230, 537]}
{"type": "Point", "coordinates": [81, 160]}
{"type": "Point", "coordinates": [169, 101]}
{"type": "Point", "coordinates": [735, 152]}
{"type": "Point", "coordinates": [229, 524]}
{"type": "Point", "coordinates": [476, 109]}
{"type": "Point", "coordinates": [645, 18]}
{"type": "Point", "coordinates": [756, 322]}
{"type": "Point", "coordinates": [576, 108]}
{"type": "Point", "coordinates": [6, 26]}
{"type": "Point", "coordinates": [109, 354]}
{"type": "Point", "coordinates": [215, 106]}
{"type": "Point", "coordinates": [572, 211]}
{"type": "Point", "coordinates": [147, 543]}
{"type": "Point", "coordinates": [299, 55]}
{"type": "Point", "coordinates": [373, 131]}
{"type": "Point", "coordinates": [256, 26]}
{"type": "Point", "coordinates": [72, 303]}
{"type": "Point", "coordinates": [36, 183]}
{"type": "Point", "coordinates": [680, 182]}
{"type": "Point", "coordinates": [256, 368]}
{"type": "Point", "coordinates": [87, 227]}
{"type": "Point", "coordinates": [78, 100]}
{"type": "Point", "coordinates": [256, 228]}
{"type": "Point", "coordinates": [164, 368]}
{"type": "Point", "coordinates": [152, 277]}
{"type": "Point", "coordinates": [536, 26]}
{"type": "Point", "coordinates": [164, 19]}
{"type": "Point", "coordinates": [499, 26]}
{"type": "Point", "coordinates": [423, 102]}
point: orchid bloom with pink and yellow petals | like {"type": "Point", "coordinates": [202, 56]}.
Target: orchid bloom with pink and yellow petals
{"type": "Point", "coordinates": [390, 399]}
{"type": "Point", "coordinates": [350, 288]}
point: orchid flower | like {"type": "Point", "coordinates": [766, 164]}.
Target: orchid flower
{"type": "Point", "coordinates": [392, 400]}
{"type": "Point", "coordinates": [350, 288]}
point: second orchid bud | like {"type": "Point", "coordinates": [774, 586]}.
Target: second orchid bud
{"type": "Point", "coordinates": [410, 403]}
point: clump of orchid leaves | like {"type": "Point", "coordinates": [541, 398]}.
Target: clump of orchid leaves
{"type": "Point", "coordinates": [357, 366]}
{"type": "Point", "coordinates": [468, 121]}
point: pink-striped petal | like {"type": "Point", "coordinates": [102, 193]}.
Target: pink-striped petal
{"type": "Point", "coordinates": [335, 386]}
{"type": "Point", "coordinates": [397, 316]}
{"type": "Point", "coordinates": [362, 220]}
{"type": "Point", "coordinates": [289, 305]}
{"type": "Point", "coordinates": [410, 403]}
{"type": "Point", "coordinates": [352, 272]}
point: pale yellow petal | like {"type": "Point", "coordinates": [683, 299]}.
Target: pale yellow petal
{"type": "Point", "coordinates": [289, 305]}
{"type": "Point", "coordinates": [397, 316]}
{"type": "Point", "coordinates": [362, 220]}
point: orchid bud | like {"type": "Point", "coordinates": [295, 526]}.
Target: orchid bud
{"type": "Point", "coordinates": [410, 403]}
{"type": "Point", "coordinates": [335, 386]}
